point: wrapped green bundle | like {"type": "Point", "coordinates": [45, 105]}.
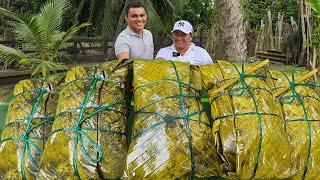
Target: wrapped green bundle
{"type": "Point", "coordinates": [171, 136]}
{"type": "Point", "coordinates": [301, 109]}
{"type": "Point", "coordinates": [248, 123]}
{"type": "Point", "coordinates": [88, 140]}
{"type": "Point", "coordinates": [28, 124]}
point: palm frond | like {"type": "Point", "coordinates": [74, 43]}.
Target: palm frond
{"type": "Point", "coordinates": [166, 8]}
{"type": "Point", "coordinates": [46, 67]}
{"type": "Point", "coordinates": [56, 45]}
{"type": "Point", "coordinates": [110, 17]}
{"type": "Point", "coordinates": [26, 27]}
{"type": "Point", "coordinates": [50, 18]}
{"type": "Point", "coordinates": [154, 22]}
{"type": "Point", "coordinates": [29, 32]}
{"type": "Point", "coordinates": [10, 55]}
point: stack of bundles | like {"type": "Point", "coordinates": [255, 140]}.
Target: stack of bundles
{"type": "Point", "coordinates": [248, 123]}
{"type": "Point", "coordinates": [301, 109]}
{"type": "Point", "coordinates": [88, 139]}
{"type": "Point", "coordinates": [171, 136]}
{"type": "Point", "coordinates": [28, 124]}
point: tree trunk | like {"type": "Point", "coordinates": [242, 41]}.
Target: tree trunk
{"type": "Point", "coordinates": [232, 39]}
{"type": "Point", "coordinates": [303, 32]}
{"type": "Point", "coordinates": [279, 33]}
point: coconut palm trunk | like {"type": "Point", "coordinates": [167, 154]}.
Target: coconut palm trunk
{"type": "Point", "coordinates": [232, 42]}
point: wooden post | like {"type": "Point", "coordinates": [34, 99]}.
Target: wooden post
{"type": "Point", "coordinates": [279, 33]}
{"type": "Point", "coordinates": [270, 32]}
{"type": "Point", "coordinates": [261, 36]}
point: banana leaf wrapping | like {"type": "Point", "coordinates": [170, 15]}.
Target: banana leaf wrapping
{"type": "Point", "coordinates": [301, 109]}
{"type": "Point", "coordinates": [88, 139]}
{"type": "Point", "coordinates": [247, 123]}
{"type": "Point", "coordinates": [171, 136]}
{"type": "Point", "coordinates": [28, 124]}
{"type": "Point", "coordinates": [5, 98]}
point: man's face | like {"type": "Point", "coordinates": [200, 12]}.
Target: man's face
{"type": "Point", "coordinates": [181, 40]}
{"type": "Point", "coordinates": [136, 19]}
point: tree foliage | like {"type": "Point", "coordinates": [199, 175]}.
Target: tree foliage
{"type": "Point", "coordinates": [255, 10]}
{"type": "Point", "coordinates": [315, 5]}
{"type": "Point", "coordinates": [105, 15]}
{"type": "Point", "coordinates": [43, 36]}
{"type": "Point", "coordinates": [200, 12]}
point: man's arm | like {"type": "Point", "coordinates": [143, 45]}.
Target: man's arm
{"type": "Point", "coordinates": [122, 48]}
{"type": "Point", "coordinates": [123, 55]}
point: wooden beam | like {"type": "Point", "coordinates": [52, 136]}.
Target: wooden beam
{"type": "Point", "coordinates": [301, 79]}
{"type": "Point", "coordinates": [231, 82]}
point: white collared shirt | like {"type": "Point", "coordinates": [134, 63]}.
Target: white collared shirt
{"type": "Point", "coordinates": [194, 55]}
{"type": "Point", "coordinates": [137, 46]}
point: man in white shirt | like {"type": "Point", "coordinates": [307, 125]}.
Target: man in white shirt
{"type": "Point", "coordinates": [182, 48]}
{"type": "Point", "coordinates": [135, 41]}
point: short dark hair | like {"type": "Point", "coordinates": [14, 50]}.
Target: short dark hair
{"type": "Point", "coordinates": [134, 4]}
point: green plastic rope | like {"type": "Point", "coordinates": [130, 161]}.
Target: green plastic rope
{"type": "Point", "coordinates": [81, 118]}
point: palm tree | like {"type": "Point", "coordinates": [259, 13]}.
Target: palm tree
{"type": "Point", "coordinates": [108, 16]}
{"type": "Point", "coordinates": [42, 35]}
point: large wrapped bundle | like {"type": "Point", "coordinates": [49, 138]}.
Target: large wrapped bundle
{"type": "Point", "coordinates": [28, 124]}
{"type": "Point", "coordinates": [248, 123]}
{"type": "Point", "coordinates": [171, 136]}
{"type": "Point", "coordinates": [301, 111]}
{"type": "Point", "coordinates": [88, 138]}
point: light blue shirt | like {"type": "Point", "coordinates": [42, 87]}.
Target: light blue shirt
{"type": "Point", "coordinates": [137, 46]}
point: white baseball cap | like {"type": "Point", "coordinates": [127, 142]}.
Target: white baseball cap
{"type": "Point", "coordinates": [183, 26]}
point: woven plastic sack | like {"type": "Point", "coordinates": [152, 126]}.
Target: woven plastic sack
{"type": "Point", "coordinates": [171, 135]}
{"type": "Point", "coordinates": [28, 124]}
{"type": "Point", "coordinates": [88, 140]}
{"type": "Point", "coordinates": [247, 123]}
{"type": "Point", "coordinates": [301, 109]}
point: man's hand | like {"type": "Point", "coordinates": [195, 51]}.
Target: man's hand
{"type": "Point", "coordinates": [123, 55]}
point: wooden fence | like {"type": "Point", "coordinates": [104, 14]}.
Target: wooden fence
{"type": "Point", "coordinates": [94, 49]}
{"type": "Point", "coordinates": [280, 45]}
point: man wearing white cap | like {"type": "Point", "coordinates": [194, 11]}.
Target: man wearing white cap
{"type": "Point", "coordinates": [182, 48]}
